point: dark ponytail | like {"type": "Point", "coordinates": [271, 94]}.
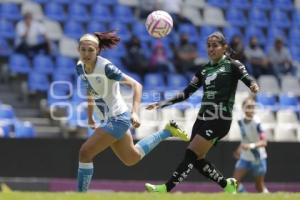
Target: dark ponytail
{"type": "Point", "coordinates": [107, 40]}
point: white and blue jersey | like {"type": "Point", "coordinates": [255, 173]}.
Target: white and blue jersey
{"type": "Point", "coordinates": [103, 85]}
{"type": "Point", "coordinates": [252, 159]}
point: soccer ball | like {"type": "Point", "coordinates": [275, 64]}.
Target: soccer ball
{"type": "Point", "coordinates": [159, 23]}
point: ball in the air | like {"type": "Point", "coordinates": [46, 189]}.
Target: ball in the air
{"type": "Point", "coordinates": [159, 23]}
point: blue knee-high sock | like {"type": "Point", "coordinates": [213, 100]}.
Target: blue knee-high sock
{"type": "Point", "coordinates": [150, 142]}
{"type": "Point", "coordinates": [84, 177]}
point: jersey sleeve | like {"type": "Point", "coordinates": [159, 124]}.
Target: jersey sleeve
{"type": "Point", "coordinates": [112, 72]}
{"type": "Point", "coordinates": [197, 79]}
{"type": "Point", "coordinates": [241, 73]}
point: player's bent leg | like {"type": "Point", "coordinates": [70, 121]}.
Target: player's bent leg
{"type": "Point", "coordinates": [148, 143]}
{"type": "Point", "coordinates": [98, 142]}
{"type": "Point", "coordinates": [125, 150]}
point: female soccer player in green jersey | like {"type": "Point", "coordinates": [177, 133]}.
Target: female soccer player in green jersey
{"type": "Point", "coordinates": [219, 78]}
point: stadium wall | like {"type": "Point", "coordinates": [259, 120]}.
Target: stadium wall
{"type": "Point", "coordinates": [57, 158]}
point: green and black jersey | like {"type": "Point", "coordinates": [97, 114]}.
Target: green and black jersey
{"type": "Point", "coordinates": [219, 83]}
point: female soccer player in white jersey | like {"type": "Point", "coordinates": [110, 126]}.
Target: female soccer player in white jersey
{"type": "Point", "coordinates": [102, 79]}
{"type": "Point", "coordinates": [251, 152]}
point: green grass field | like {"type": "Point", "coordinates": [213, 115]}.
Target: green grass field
{"type": "Point", "coordinates": [144, 196]}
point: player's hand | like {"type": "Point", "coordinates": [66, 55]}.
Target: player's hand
{"type": "Point", "coordinates": [135, 120]}
{"type": "Point", "coordinates": [254, 88]}
{"type": "Point", "coordinates": [153, 106]}
{"type": "Point", "coordinates": [91, 123]}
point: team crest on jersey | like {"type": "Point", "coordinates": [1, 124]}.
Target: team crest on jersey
{"type": "Point", "coordinates": [222, 69]}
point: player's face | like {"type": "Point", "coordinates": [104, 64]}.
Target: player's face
{"type": "Point", "coordinates": [88, 52]}
{"type": "Point", "coordinates": [249, 110]}
{"type": "Point", "coordinates": [215, 49]}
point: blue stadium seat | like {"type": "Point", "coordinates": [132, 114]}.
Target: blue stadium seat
{"type": "Point", "coordinates": [10, 11]}
{"type": "Point", "coordinates": [190, 30]}
{"type": "Point", "coordinates": [274, 33]}
{"type": "Point", "coordinates": [288, 101]}
{"type": "Point", "coordinates": [123, 14]}
{"type": "Point", "coordinates": [43, 64]}
{"type": "Point", "coordinates": [85, 2]}
{"type": "Point", "coordinates": [258, 18]}
{"type": "Point", "coordinates": [24, 130]}
{"type": "Point", "coordinates": [41, 1]}
{"type": "Point", "coordinates": [77, 117]}
{"type": "Point", "coordinates": [101, 13]}
{"type": "Point", "coordinates": [107, 2]}
{"type": "Point", "coordinates": [73, 29]}
{"type": "Point", "coordinates": [236, 17]}
{"type": "Point", "coordinates": [6, 129]}
{"type": "Point", "coordinates": [122, 29]}
{"type": "Point", "coordinates": [293, 37]}
{"type": "Point", "coordinates": [140, 31]}
{"type": "Point", "coordinates": [65, 65]}
{"type": "Point", "coordinates": [19, 64]}
{"type": "Point", "coordinates": [280, 19]}
{"type": "Point", "coordinates": [63, 2]}
{"type": "Point", "coordinates": [7, 29]}
{"type": "Point", "coordinates": [262, 4]}
{"type": "Point", "coordinates": [255, 31]}
{"type": "Point", "coordinates": [295, 52]}
{"type": "Point", "coordinates": [135, 76]}
{"type": "Point", "coordinates": [55, 12]}
{"type": "Point", "coordinates": [61, 85]}
{"type": "Point", "coordinates": [218, 3]}
{"type": "Point", "coordinates": [283, 4]}
{"type": "Point", "coordinates": [240, 4]}
{"type": "Point", "coordinates": [231, 31]}
{"type": "Point", "coordinates": [154, 81]}
{"type": "Point", "coordinates": [296, 19]}
{"type": "Point", "coordinates": [5, 48]}
{"type": "Point", "coordinates": [267, 101]}
{"type": "Point", "coordinates": [95, 26]}
{"type": "Point", "coordinates": [7, 113]}
{"type": "Point", "coordinates": [176, 81]}
{"type": "Point", "coordinates": [78, 12]}
{"type": "Point", "coordinates": [205, 31]}
{"type": "Point", "coordinates": [38, 82]}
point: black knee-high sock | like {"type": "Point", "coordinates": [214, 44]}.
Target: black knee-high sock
{"type": "Point", "coordinates": [210, 171]}
{"type": "Point", "coordinates": [183, 169]}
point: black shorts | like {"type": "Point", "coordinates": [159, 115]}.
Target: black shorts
{"type": "Point", "coordinates": [211, 128]}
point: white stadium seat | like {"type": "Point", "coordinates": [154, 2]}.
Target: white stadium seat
{"type": "Point", "coordinates": [268, 84]}
{"type": "Point", "coordinates": [214, 16]}
{"type": "Point", "coordinates": [290, 85]}
{"type": "Point", "coordinates": [54, 28]}
{"type": "Point", "coordinates": [283, 133]}
{"type": "Point", "coordinates": [68, 47]}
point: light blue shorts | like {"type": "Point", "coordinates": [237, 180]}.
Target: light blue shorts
{"type": "Point", "coordinates": [118, 125]}
{"type": "Point", "coordinates": [257, 168]}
